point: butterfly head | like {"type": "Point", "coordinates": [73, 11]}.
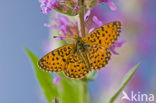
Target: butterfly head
{"type": "Point", "coordinates": [80, 44]}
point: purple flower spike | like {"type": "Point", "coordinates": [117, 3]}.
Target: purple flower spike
{"type": "Point", "coordinates": [117, 44]}
{"type": "Point", "coordinates": [56, 80]}
{"type": "Point", "coordinates": [97, 21]}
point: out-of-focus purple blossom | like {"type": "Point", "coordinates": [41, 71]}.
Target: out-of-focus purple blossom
{"type": "Point", "coordinates": [56, 80]}
{"type": "Point", "coordinates": [87, 15]}
{"type": "Point", "coordinates": [111, 4]}
{"type": "Point", "coordinates": [116, 44]}
{"type": "Point", "coordinates": [97, 21]}
{"type": "Point", "coordinates": [47, 5]}
{"type": "Point", "coordinates": [76, 8]}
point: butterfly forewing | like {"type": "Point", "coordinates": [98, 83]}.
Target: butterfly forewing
{"type": "Point", "coordinates": [55, 61]}
{"type": "Point", "coordinates": [105, 35]}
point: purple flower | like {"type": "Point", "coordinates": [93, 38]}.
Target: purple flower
{"type": "Point", "coordinates": [116, 44]}
{"type": "Point", "coordinates": [56, 80]}
{"type": "Point", "coordinates": [111, 4]}
{"type": "Point", "coordinates": [97, 21]}
{"type": "Point", "coordinates": [47, 5]}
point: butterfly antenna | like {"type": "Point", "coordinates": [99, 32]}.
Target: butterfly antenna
{"type": "Point", "coordinates": [63, 37]}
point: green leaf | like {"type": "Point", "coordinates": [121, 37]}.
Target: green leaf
{"type": "Point", "coordinates": [71, 90]}
{"type": "Point", "coordinates": [127, 77]}
{"type": "Point", "coordinates": [44, 78]}
{"type": "Point", "coordinates": [74, 91]}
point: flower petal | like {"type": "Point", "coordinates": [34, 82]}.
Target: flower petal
{"type": "Point", "coordinates": [87, 15]}
{"type": "Point", "coordinates": [116, 44]}
{"type": "Point", "coordinates": [119, 44]}
{"type": "Point", "coordinates": [97, 21]}
{"type": "Point", "coordinates": [113, 50]}
{"type": "Point", "coordinates": [91, 30]}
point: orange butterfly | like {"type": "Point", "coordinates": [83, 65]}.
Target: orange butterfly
{"type": "Point", "coordinates": [85, 54]}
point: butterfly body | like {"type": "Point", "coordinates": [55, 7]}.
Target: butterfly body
{"type": "Point", "coordinates": [81, 50]}
{"type": "Point", "coordinates": [85, 54]}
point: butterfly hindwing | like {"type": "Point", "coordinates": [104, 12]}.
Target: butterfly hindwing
{"type": "Point", "coordinates": [76, 67]}
{"type": "Point", "coordinates": [105, 35]}
{"type": "Point", "coordinates": [55, 61]}
{"type": "Point", "coordinates": [98, 56]}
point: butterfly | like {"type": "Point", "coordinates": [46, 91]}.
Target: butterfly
{"type": "Point", "coordinates": [85, 54]}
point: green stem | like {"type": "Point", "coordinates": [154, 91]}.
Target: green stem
{"type": "Point", "coordinates": [81, 19]}
{"type": "Point", "coordinates": [85, 94]}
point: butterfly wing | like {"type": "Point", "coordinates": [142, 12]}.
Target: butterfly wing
{"type": "Point", "coordinates": [98, 56]}
{"type": "Point", "coordinates": [55, 61]}
{"type": "Point", "coordinates": [105, 35]}
{"type": "Point", "coordinates": [76, 67]}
